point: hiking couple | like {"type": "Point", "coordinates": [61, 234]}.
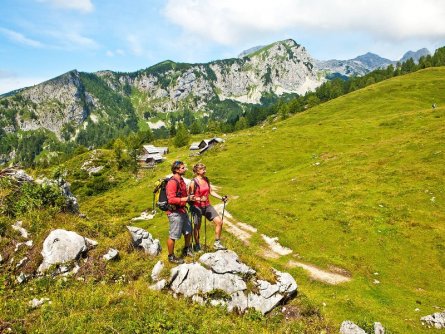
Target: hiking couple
{"type": "Point", "coordinates": [198, 196]}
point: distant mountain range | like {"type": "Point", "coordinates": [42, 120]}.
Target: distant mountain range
{"type": "Point", "coordinates": [364, 64]}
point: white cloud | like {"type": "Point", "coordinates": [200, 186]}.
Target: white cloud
{"type": "Point", "coordinates": [117, 52]}
{"type": "Point", "coordinates": [20, 38]}
{"type": "Point", "coordinates": [231, 21]}
{"type": "Point", "coordinates": [136, 45]}
{"type": "Point", "coordinates": [78, 40]}
{"type": "Point", "coordinates": [84, 6]}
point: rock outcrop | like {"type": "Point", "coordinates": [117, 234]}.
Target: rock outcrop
{"type": "Point", "coordinates": [436, 320]}
{"type": "Point", "coordinates": [220, 278]}
{"type": "Point", "coordinates": [62, 246]}
{"type": "Point", "coordinates": [142, 238]}
{"type": "Point", "coordinates": [348, 327]}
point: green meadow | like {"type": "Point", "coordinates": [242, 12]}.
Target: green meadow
{"type": "Point", "coordinates": [354, 185]}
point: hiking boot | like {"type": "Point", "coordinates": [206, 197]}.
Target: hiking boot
{"type": "Point", "coordinates": [217, 245]}
{"type": "Point", "coordinates": [173, 259]}
{"type": "Point", "coordinates": [197, 248]}
{"type": "Point", "coordinates": [187, 251]}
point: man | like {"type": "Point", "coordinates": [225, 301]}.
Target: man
{"type": "Point", "coordinates": [179, 221]}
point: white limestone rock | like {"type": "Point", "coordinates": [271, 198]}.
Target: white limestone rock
{"type": "Point", "coordinates": [225, 261]}
{"type": "Point", "coordinates": [18, 227]}
{"type": "Point", "coordinates": [436, 320]}
{"type": "Point", "coordinates": [63, 246]}
{"type": "Point", "coordinates": [35, 303]}
{"type": "Point", "coordinates": [111, 254]}
{"type": "Point", "coordinates": [157, 269]}
{"type": "Point", "coordinates": [144, 239]}
{"type": "Point", "coordinates": [348, 327]}
{"type": "Point", "coordinates": [228, 274]}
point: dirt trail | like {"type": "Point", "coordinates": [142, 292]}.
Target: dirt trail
{"type": "Point", "coordinates": [274, 250]}
{"type": "Point", "coordinates": [319, 274]}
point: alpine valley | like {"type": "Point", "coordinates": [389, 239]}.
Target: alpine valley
{"type": "Point", "coordinates": [90, 109]}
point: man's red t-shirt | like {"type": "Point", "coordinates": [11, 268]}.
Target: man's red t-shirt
{"type": "Point", "coordinates": [174, 194]}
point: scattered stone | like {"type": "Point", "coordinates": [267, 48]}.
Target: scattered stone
{"type": "Point", "coordinates": [144, 239]}
{"type": "Point", "coordinates": [144, 216]}
{"type": "Point", "coordinates": [91, 243]}
{"type": "Point", "coordinates": [111, 255]}
{"type": "Point", "coordinates": [378, 328]}
{"type": "Point", "coordinates": [28, 243]}
{"type": "Point", "coordinates": [21, 262]}
{"type": "Point", "coordinates": [376, 281]}
{"type": "Point", "coordinates": [38, 302]}
{"type": "Point", "coordinates": [157, 269]}
{"type": "Point", "coordinates": [1, 258]}
{"type": "Point", "coordinates": [63, 246]}
{"type": "Point", "coordinates": [436, 320]}
{"type": "Point", "coordinates": [225, 261]}
{"type": "Point", "coordinates": [158, 286]}
{"type": "Point", "coordinates": [348, 327]}
{"type": "Point", "coordinates": [21, 278]}
{"type": "Point", "coordinates": [71, 203]}
{"type": "Point", "coordinates": [18, 227]}
{"type": "Point", "coordinates": [18, 174]}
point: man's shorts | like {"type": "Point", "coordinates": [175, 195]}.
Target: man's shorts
{"type": "Point", "coordinates": [208, 211]}
{"type": "Point", "coordinates": [179, 224]}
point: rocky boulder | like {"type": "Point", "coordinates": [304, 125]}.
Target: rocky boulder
{"type": "Point", "coordinates": [348, 327]}
{"type": "Point", "coordinates": [63, 246]}
{"type": "Point", "coordinates": [220, 278]}
{"type": "Point", "coordinates": [142, 238]}
{"type": "Point", "coordinates": [436, 320]}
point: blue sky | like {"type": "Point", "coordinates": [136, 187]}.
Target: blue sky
{"type": "Point", "coordinates": [41, 39]}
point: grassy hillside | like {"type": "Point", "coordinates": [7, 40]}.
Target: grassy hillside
{"type": "Point", "coordinates": [354, 184]}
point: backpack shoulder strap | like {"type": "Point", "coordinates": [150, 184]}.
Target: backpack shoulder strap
{"type": "Point", "coordinates": [177, 185]}
{"type": "Point", "coordinates": [207, 180]}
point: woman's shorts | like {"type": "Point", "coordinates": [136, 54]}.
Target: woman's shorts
{"type": "Point", "coordinates": [208, 211]}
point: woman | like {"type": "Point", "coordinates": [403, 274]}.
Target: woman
{"type": "Point", "coordinates": [200, 187]}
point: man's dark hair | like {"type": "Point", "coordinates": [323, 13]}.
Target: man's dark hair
{"type": "Point", "coordinates": [175, 166]}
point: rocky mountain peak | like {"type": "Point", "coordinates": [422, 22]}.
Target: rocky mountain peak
{"type": "Point", "coordinates": [415, 55]}
{"type": "Point", "coordinates": [373, 61]}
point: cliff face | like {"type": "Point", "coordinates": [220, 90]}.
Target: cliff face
{"type": "Point", "coordinates": [49, 105]}
{"type": "Point", "coordinates": [282, 67]}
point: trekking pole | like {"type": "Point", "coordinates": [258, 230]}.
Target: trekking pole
{"type": "Point", "coordinates": [205, 227]}
{"type": "Point", "coordinates": [205, 231]}
{"type": "Point", "coordinates": [224, 208]}
{"type": "Point", "coordinates": [193, 231]}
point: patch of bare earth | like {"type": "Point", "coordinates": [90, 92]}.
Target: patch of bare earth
{"type": "Point", "coordinates": [321, 275]}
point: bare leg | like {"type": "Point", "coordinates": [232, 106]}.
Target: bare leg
{"type": "Point", "coordinates": [187, 239]}
{"type": "Point", "coordinates": [218, 227]}
{"type": "Point", "coordinates": [170, 246]}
